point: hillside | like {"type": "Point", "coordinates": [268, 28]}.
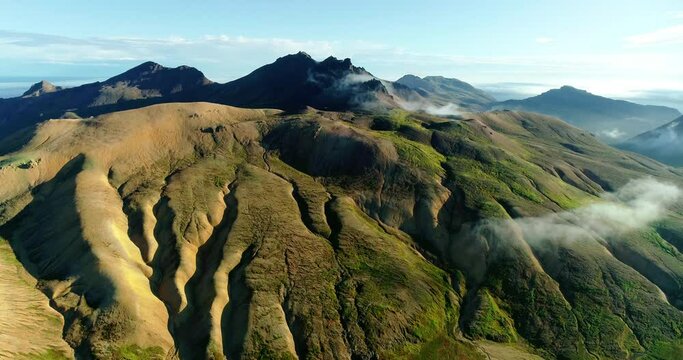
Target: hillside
{"type": "Point", "coordinates": [200, 231]}
{"type": "Point", "coordinates": [610, 120]}
{"type": "Point", "coordinates": [664, 143]}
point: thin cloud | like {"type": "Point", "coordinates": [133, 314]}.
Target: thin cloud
{"type": "Point", "coordinates": [544, 40]}
{"type": "Point", "coordinates": [666, 36]}
{"type": "Point", "coordinates": [49, 48]}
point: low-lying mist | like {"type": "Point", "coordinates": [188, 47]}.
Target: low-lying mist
{"type": "Point", "coordinates": [634, 206]}
{"type": "Point", "coordinates": [409, 102]}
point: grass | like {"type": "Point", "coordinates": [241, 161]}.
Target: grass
{"type": "Point", "coordinates": [666, 351]}
{"type": "Point", "coordinates": [136, 352]}
{"type": "Point", "coordinates": [491, 322]}
{"type": "Point", "coordinates": [393, 290]}
{"type": "Point", "coordinates": [404, 131]}
{"type": "Point", "coordinates": [416, 154]}
{"type": "Point", "coordinates": [441, 347]}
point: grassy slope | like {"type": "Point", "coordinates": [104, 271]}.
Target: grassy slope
{"type": "Point", "coordinates": [329, 235]}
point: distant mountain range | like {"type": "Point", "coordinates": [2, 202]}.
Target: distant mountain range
{"type": "Point", "coordinates": [664, 143]}
{"type": "Point", "coordinates": [610, 120]}
{"type": "Point", "coordinates": [291, 83]}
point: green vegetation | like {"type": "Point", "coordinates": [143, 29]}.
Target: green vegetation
{"type": "Point", "coordinates": [491, 322]}
{"type": "Point", "coordinates": [418, 155]}
{"type": "Point", "coordinates": [441, 347]}
{"type": "Point", "coordinates": [136, 352]}
{"type": "Point", "coordinates": [665, 351]}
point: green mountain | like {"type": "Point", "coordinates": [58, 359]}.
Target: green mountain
{"type": "Point", "coordinates": [198, 230]}
{"type": "Point", "coordinates": [610, 120]}
{"type": "Point", "coordinates": [664, 143]}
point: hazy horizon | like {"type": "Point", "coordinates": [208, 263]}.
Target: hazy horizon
{"type": "Point", "coordinates": [14, 86]}
{"type": "Point", "coordinates": [509, 49]}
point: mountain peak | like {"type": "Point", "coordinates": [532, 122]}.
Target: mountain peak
{"type": "Point", "coordinates": [572, 90]}
{"type": "Point", "coordinates": [300, 57]}
{"type": "Point", "coordinates": [302, 54]}
{"type": "Point", "coordinates": [41, 87]}
{"type": "Point", "coordinates": [157, 75]}
{"type": "Point", "coordinates": [136, 72]}
{"type": "Point", "coordinates": [149, 66]}
{"type": "Point", "coordinates": [409, 77]}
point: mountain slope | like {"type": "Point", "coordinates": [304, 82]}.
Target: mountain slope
{"type": "Point", "coordinates": [664, 143]}
{"type": "Point", "coordinates": [444, 90]}
{"type": "Point", "coordinates": [211, 230]}
{"type": "Point", "coordinates": [610, 120]}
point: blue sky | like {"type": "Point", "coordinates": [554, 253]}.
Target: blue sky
{"type": "Point", "coordinates": [627, 49]}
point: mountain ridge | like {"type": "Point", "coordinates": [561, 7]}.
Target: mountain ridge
{"type": "Point", "coordinates": [664, 143]}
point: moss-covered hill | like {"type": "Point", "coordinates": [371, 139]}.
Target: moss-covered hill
{"type": "Point", "coordinates": [205, 231]}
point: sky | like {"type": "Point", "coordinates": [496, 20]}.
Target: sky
{"type": "Point", "coordinates": [631, 49]}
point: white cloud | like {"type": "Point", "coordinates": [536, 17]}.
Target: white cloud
{"type": "Point", "coordinates": [665, 36]}
{"type": "Point", "coordinates": [634, 206]}
{"type": "Point", "coordinates": [544, 40]}
{"type": "Point", "coordinates": [613, 133]}
{"type": "Point", "coordinates": [49, 48]}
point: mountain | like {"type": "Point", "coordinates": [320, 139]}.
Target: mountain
{"type": "Point", "coordinates": [611, 120]}
{"type": "Point", "coordinates": [448, 90]}
{"type": "Point", "coordinates": [144, 84]}
{"type": "Point", "coordinates": [292, 83]}
{"type": "Point", "coordinates": [197, 230]}
{"type": "Point", "coordinates": [297, 81]}
{"type": "Point", "coordinates": [664, 143]}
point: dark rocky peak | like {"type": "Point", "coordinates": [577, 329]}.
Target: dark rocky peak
{"type": "Point", "coordinates": [299, 59]}
{"type": "Point", "coordinates": [151, 72]}
{"type": "Point", "coordinates": [146, 68]}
